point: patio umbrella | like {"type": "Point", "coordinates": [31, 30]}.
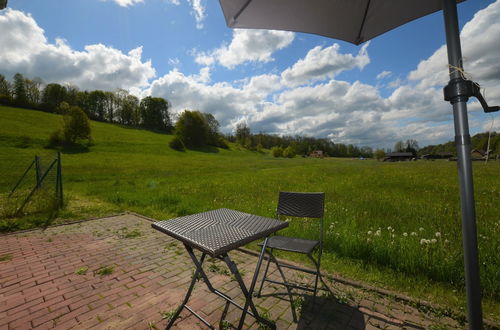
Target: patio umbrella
{"type": "Point", "coordinates": [357, 21]}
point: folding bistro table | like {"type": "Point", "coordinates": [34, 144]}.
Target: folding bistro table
{"type": "Point", "coordinates": [215, 233]}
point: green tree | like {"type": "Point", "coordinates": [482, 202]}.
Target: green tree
{"type": "Point", "coordinates": [52, 96]}
{"type": "Point", "coordinates": [289, 152]}
{"type": "Point", "coordinates": [192, 129]}
{"type": "Point", "coordinates": [63, 108]}
{"type": "Point", "coordinates": [411, 146]}
{"type": "Point", "coordinates": [33, 95]}
{"type": "Point", "coordinates": [20, 95]}
{"type": "Point", "coordinates": [127, 107]}
{"type": "Point", "coordinates": [399, 146]}
{"type": "Point", "coordinates": [110, 107]}
{"type": "Point", "coordinates": [96, 104]}
{"type": "Point", "coordinates": [214, 138]}
{"type": "Point", "coordinates": [242, 134]}
{"type": "Point", "coordinates": [379, 154]}
{"type": "Point", "coordinates": [5, 91]}
{"type": "Point", "coordinates": [72, 95]}
{"type": "Point", "coordinates": [76, 126]}
{"type": "Point", "coordinates": [154, 114]}
{"type": "Point", "coordinates": [277, 151]}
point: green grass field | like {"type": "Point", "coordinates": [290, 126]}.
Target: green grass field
{"type": "Point", "coordinates": [396, 225]}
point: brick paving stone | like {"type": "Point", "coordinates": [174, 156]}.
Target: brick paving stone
{"type": "Point", "coordinates": [40, 287]}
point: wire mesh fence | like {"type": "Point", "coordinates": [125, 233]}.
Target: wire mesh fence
{"type": "Point", "coordinates": [30, 184]}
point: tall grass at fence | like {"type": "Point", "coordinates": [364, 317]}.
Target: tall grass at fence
{"type": "Point", "coordinates": [399, 216]}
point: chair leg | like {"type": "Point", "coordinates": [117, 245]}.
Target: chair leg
{"type": "Point", "coordinates": [285, 283]}
{"type": "Point", "coordinates": [265, 275]}
{"type": "Point", "coordinates": [318, 275]}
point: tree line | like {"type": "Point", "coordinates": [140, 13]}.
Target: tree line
{"type": "Point", "coordinates": [478, 141]}
{"type": "Point", "coordinates": [300, 145]}
{"type": "Point", "coordinates": [192, 129]}
{"type": "Point", "coordinates": [113, 107]}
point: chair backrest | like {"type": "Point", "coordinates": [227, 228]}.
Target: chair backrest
{"type": "Point", "coordinates": [301, 204]}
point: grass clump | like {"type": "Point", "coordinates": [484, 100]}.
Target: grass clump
{"type": "Point", "coordinates": [105, 270]}
{"type": "Point", "coordinates": [82, 270]}
{"type": "Point", "coordinates": [6, 257]}
{"type": "Point", "coordinates": [126, 233]}
{"type": "Point", "coordinates": [168, 315]}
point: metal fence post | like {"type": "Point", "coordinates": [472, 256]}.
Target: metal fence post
{"type": "Point", "coordinates": [38, 172]}
{"type": "Point", "coordinates": [59, 187]}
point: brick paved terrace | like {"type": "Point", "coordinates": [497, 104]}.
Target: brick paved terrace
{"type": "Point", "coordinates": [119, 273]}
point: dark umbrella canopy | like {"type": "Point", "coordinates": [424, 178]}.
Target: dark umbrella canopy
{"type": "Point", "coordinates": [354, 21]}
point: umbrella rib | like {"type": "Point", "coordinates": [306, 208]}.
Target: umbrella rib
{"type": "Point", "coordinates": [358, 39]}
{"type": "Point", "coordinates": [235, 17]}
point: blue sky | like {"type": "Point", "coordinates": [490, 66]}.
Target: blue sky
{"type": "Point", "coordinates": [278, 82]}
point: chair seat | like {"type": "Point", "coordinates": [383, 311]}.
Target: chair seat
{"type": "Point", "coordinates": [291, 244]}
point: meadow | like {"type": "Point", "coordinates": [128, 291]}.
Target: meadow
{"type": "Point", "coordinates": [395, 225]}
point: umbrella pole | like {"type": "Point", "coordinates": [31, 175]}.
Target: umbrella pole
{"type": "Point", "coordinates": [462, 142]}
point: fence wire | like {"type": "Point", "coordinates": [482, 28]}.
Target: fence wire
{"type": "Point", "coordinates": [30, 184]}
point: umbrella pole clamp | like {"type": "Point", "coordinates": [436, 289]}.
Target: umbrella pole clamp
{"type": "Point", "coordinates": [459, 89]}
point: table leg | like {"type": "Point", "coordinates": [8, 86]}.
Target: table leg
{"type": "Point", "coordinates": [248, 293]}
{"type": "Point", "coordinates": [191, 286]}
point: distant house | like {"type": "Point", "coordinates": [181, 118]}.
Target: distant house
{"type": "Point", "coordinates": [398, 157]}
{"type": "Point", "coordinates": [445, 155]}
{"type": "Point", "coordinates": [477, 154]}
{"type": "Point", "coordinates": [317, 154]}
{"type": "Point", "coordinates": [439, 155]}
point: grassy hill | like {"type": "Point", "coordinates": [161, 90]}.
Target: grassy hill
{"type": "Point", "coordinates": [396, 225]}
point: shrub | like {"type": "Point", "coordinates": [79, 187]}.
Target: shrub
{"type": "Point", "coordinates": [76, 126]}
{"type": "Point", "coordinates": [177, 144]}
{"type": "Point", "coordinates": [6, 99]}
{"type": "Point", "coordinates": [289, 152]}
{"type": "Point", "coordinates": [56, 139]}
{"type": "Point", "coordinates": [277, 151]}
{"type": "Point", "coordinates": [63, 108]}
{"type": "Point", "coordinates": [221, 142]}
{"type": "Point", "coordinates": [379, 154]}
{"type": "Point", "coordinates": [192, 129]}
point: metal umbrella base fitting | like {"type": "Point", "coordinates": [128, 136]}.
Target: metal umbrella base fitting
{"type": "Point", "coordinates": [229, 301]}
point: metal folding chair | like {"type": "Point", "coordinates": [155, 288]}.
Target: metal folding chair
{"type": "Point", "coordinates": [300, 205]}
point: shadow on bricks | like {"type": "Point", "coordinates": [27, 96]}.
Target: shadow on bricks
{"type": "Point", "coordinates": [323, 311]}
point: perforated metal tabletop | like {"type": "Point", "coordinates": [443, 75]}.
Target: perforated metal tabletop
{"type": "Point", "coordinates": [219, 231]}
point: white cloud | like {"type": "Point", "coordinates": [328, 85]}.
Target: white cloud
{"type": "Point", "coordinates": [324, 63]}
{"type": "Point", "coordinates": [480, 39]}
{"type": "Point", "coordinates": [96, 67]}
{"type": "Point", "coordinates": [247, 46]}
{"type": "Point", "coordinates": [126, 3]}
{"type": "Point", "coordinates": [198, 9]}
{"type": "Point", "coordinates": [384, 74]}
{"type": "Point", "coordinates": [175, 62]}
{"type": "Point", "coordinates": [198, 12]}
